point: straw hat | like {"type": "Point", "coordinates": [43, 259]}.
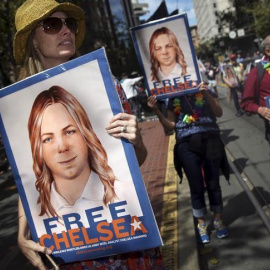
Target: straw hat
{"type": "Point", "coordinates": [31, 12]}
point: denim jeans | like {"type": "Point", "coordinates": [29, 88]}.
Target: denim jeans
{"type": "Point", "coordinates": [201, 174]}
{"type": "Point", "coordinates": [234, 94]}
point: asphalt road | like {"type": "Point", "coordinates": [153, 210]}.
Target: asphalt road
{"type": "Point", "coordinates": [248, 246]}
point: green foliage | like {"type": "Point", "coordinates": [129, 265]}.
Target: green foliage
{"type": "Point", "coordinates": [7, 30]}
{"type": "Point", "coordinates": [260, 10]}
{"type": "Point", "coordinates": [205, 51]}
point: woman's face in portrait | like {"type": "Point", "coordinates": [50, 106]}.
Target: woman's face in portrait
{"type": "Point", "coordinates": [57, 47]}
{"type": "Point", "coordinates": [64, 149]}
{"type": "Point", "coordinates": [164, 51]}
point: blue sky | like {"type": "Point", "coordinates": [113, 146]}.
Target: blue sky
{"type": "Point", "coordinates": [181, 5]}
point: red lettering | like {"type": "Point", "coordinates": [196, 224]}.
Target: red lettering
{"type": "Point", "coordinates": [86, 238]}
{"type": "Point", "coordinates": [117, 228]}
{"type": "Point", "coordinates": [74, 237]}
{"type": "Point", "coordinates": [188, 84]}
{"type": "Point", "coordinates": [59, 240]}
{"type": "Point", "coordinates": [180, 86]}
{"type": "Point", "coordinates": [42, 240]}
{"type": "Point", "coordinates": [104, 231]}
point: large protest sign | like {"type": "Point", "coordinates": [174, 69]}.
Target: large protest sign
{"type": "Point", "coordinates": [81, 189]}
{"type": "Point", "coordinates": [167, 57]}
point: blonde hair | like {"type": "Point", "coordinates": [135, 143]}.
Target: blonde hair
{"type": "Point", "coordinates": [180, 58]}
{"type": "Point", "coordinates": [97, 156]}
{"type": "Point", "coordinates": [32, 64]}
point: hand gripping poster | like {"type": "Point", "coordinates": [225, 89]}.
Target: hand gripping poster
{"type": "Point", "coordinates": [81, 189]}
{"type": "Point", "coordinates": [167, 57]}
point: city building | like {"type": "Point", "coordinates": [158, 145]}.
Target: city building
{"type": "Point", "coordinates": [206, 15]}
{"type": "Point", "coordinates": [107, 25]}
{"type": "Point", "coordinates": [139, 9]}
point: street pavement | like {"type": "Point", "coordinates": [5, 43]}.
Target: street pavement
{"type": "Point", "coordinates": [247, 247]}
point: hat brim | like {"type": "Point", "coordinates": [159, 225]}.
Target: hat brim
{"type": "Point", "coordinates": [21, 37]}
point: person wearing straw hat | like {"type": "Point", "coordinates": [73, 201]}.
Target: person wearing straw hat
{"type": "Point", "coordinates": [48, 34]}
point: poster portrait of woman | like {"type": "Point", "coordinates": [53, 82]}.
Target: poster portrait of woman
{"type": "Point", "coordinates": [70, 163]}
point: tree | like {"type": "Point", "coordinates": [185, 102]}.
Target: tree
{"type": "Point", "coordinates": [205, 51]}
{"type": "Point", "coordinates": [7, 30]}
{"type": "Point", "coordinates": [259, 10]}
{"type": "Point", "coordinates": [249, 15]}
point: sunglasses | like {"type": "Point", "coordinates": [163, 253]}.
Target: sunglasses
{"type": "Point", "coordinates": [53, 25]}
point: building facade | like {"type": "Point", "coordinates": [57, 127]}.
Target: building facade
{"type": "Point", "coordinates": [107, 25]}
{"type": "Point", "coordinates": [206, 15]}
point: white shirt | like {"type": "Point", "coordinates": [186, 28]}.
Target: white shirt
{"type": "Point", "coordinates": [175, 73]}
{"type": "Point", "coordinates": [91, 197]}
{"type": "Point", "coordinates": [127, 85]}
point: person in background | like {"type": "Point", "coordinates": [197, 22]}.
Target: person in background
{"type": "Point", "coordinates": [257, 88]}
{"type": "Point", "coordinates": [238, 70]}
{"type": "Point", "coordinates": [232, 82]}
{"type": "Point", "coordinates": [211, 73]}
{"type": "Point", "coordinates": [199, 151]}
{"type": "Point", "coordinates": [129, 86]}
{"type": "Point", "coordinates": [239, 58]}
{"type": "Point", "coordinates": [48, 34]}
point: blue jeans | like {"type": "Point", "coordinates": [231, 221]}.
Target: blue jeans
{"type": "Point", "coordinates": [202, 174]}
{"type": "Point", "coordinates": [234, 94]}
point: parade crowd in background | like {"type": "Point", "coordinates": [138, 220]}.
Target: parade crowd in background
{"type": "Point", "coordinates": [230, 73]}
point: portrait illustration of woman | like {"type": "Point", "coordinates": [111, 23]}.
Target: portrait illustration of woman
{"type": "Point", "coordinates": [166, 56]}
{"type": "Point", "coordinates": [69, 162]}
{"type": "Point", "coordinates": [230, 78]}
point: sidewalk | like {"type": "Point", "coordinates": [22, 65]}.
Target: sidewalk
{"type": "Point", "coordinates": [170, 200]}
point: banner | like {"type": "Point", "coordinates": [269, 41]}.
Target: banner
{"type": "Point", "coordinates": [81, 189]}
{"type": "Point", "coordinates": [167, 57]}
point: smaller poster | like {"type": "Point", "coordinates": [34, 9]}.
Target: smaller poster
{"type": "Point", "coordinates": [167, 57]}
{"type": "Point", "coordinates": [229, 76]}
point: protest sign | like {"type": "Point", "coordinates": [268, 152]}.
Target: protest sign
{"type": "Point", "coordinates": [81, 189]}
{"type": "Point", "coordinates": [167, 57]}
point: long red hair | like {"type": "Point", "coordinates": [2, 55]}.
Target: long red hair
{"type": "Point", "coordinates": [97, 155]}
{"type": "Point", "coordinates": [180, 58]}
